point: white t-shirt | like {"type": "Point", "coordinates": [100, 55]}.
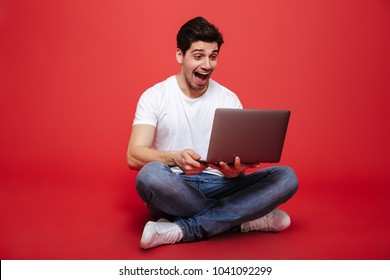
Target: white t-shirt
{"type": "Point", "coordinates": [182, 122]}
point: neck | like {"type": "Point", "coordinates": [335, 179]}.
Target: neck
{"type": "Point", "coordinates": [187, 89]}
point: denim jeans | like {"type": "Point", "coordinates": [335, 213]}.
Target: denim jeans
{"type": "Point", "coordinates": [204, 205]}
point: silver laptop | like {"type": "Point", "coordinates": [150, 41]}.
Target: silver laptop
{"type": "Point", "coordinates": [256, 136]}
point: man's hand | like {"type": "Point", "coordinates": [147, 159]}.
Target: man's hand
{"type": "Point", "coordinates": [233, 170]}
{"type": "Point", "coordinates": [188, 162]}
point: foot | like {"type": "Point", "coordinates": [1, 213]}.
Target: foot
{"type": "Point", "coordinates": [275, 221]}
{"type": "Point", "coordinates": [159, 233]}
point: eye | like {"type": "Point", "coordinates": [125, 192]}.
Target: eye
{"type": "Point", "coordinates": [213, 57]}
{"type": "Point", "coordinates": [198, 56]}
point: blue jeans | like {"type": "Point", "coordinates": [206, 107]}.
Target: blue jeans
{"type": "Point", "coordinates": [204, 205]}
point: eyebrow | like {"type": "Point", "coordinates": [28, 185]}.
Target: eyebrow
{"type": "Point", "coordinates": [202, 50]}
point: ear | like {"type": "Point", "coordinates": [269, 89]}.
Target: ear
{"type": "Point", "coordinates": [179, 56]}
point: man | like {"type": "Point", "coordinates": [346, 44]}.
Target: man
{"type": "Point", "coordinates": [170, 134]}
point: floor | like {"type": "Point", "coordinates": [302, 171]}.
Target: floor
{"type": "Point", "coordinates": [70, 213]}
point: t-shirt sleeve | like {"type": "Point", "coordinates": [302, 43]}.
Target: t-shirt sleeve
{"type": "Point", "coordinates": [232, 101]}
{"type": "Point", "coordinates": [236, 103]}
{"type": "Point", "coordinates": [227, 98]}
{"type": "Point", "coordinates": [146, 112]}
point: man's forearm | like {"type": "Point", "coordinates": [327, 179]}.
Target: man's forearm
{"type": "Point", "coordinates": [139, 156]}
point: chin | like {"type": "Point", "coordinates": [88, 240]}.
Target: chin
{"type": "Point", "coordinates": [200, 87]}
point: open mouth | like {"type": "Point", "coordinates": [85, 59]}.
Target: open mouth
{"type": "Point", "coordinates": [201, 76]}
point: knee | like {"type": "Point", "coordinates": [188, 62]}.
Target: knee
{"type": "Point", "coordinates": [149, 176]}
{"type": "Point", "coordinates": [149, 173]}
{"type": "Point", "coordinates": [290, 179]}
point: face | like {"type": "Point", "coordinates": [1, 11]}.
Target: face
{"type": "Point", "coordinates": [197, 64]}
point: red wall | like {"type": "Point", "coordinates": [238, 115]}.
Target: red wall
{"type": "Point", "coordinates": [71, 73]}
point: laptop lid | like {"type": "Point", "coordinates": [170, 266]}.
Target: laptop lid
{"type": "Point", "coordinates": [256, 136]}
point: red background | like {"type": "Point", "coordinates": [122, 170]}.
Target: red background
{"type": "Point", "coordinates": [72, 71]}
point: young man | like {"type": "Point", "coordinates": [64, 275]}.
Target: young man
{"type": "Point", "coordinates": [170, 134]}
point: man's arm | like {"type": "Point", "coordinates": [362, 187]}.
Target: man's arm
{"type": "Point", "coordinates": [139, 152]}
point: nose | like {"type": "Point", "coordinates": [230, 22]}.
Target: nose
{"type": "Point", "coordinates": [207, 64]}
